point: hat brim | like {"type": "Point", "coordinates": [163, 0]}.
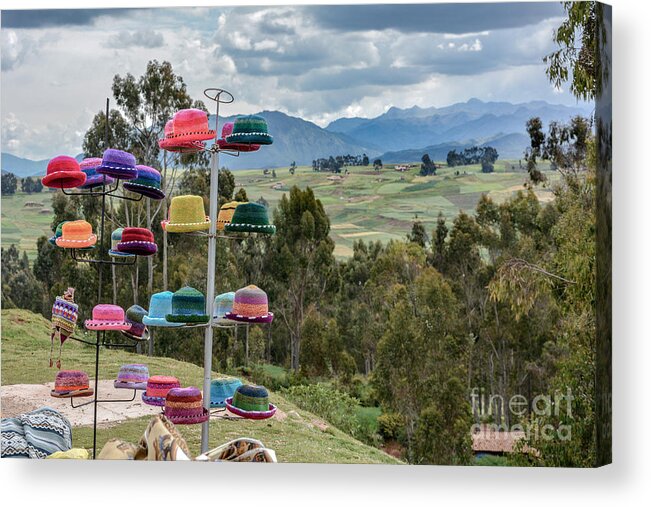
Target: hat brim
{"type": "Point", "coordinates": [159, 322]}
{"type": "Point", "coordinates": [250, 138]}
{"type": "Point", "coordinates": [223, 145]}
{"type": "Point", "coordinates": [121, 384]}
{"type": "Point", "coordinates": [64, 179]}
{"type": "Point", "coordinates": [262, 319]}
{"type": "Point", "coordinates": [103, 325]}
{"type": "Point", "coordinates": [156, 401]}
{"type": "Point", "coordinates": [143, 338]}
{"type": "Point", "coordinates": [189, 227]}
{"type": "Point", "coordinates": [97, 180]}
{"type": "Point", "coordinates": [146, 190]}
{"type": "Point", "coordinates": [250, 414]}
{"type": "Point", "coordinates": [119, 173]}
{"type": "Point", "coordinates": [115, 253]}
{"type": "Point", "coordinates": [142, 248]}
{"type": "Point", "coordinates": [260, 229]}
{"type": "Point", "coordinates": [186, 319]}
{"type": "Point", "coordinates": [181, 147]}
{"type": "Point", "coordinates": [79, 393]}
{"type": "Point", "coordinates": [76, 243]}
{"type": "Point", "coordinates": [202, 135]}
{"type": "Point", "coordinates": [198, 419]}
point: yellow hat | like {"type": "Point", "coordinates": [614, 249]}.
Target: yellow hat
{"type": "Point", "coordinates": [226, 214]}
{"type": "Point", "coordinates": [187, 214]}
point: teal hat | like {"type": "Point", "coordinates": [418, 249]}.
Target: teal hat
{"type": "Point", "coordinates": [223, 305]}
{"type": "Point", "coordinates": [116, 237]}
{"type": "Point", "coordinates": [250, 217]}
{"type": "Point", "coordinates": [222, 388]}
{"type": "Point", "coordinates": [160, 305]}
{"type": "Point", "coordinates": [188, 307]}
{"type": "Point", "coordinates": [250, 129]}
{"type": "Point", "coordinates": [57, 234]}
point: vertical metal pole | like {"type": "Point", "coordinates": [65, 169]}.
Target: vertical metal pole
{"type": "Point", "coordinates": [210, 285]}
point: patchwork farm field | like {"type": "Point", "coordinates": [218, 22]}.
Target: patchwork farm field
{"type": "Point", "coordinates": [363, 204]}
{"type": "Point", "coordinates": [372, 206]}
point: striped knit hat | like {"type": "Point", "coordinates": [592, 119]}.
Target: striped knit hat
{"type": "Point", "coordinates": [189, 306]}
{"type": "Point", "coordinates": [64, 320]}
{"type": "Point", "coordinates": [251, 402]}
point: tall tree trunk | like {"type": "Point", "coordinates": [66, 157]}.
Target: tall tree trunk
{"type": "Point", "coordinates": [115, 285]}
{"type": "Point", "coordinates": [246, 345]}
{"type": "Point", "coordinates": [165, 260]}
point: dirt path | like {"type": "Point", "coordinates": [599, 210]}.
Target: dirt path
{"type": "Point", "coordinates": [20, 398]}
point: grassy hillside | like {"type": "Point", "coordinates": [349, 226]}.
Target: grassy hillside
{"type": "Point", "coordinates": [26, 217]}
{"type": "Point", "coordinates": [382, 206]}
{"type": "Point", "coordinates": [25, 348]}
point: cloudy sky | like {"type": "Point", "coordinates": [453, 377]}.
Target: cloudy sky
{"type": "Point", "coordinates": [317, 62]}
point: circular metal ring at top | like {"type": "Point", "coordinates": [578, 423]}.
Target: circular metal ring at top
{"type": "Point", "coordinates": [216, 95]}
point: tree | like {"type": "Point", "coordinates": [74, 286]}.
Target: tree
{"type": "Point", "coordinates": [292, 168]}
{"type": "Point", "coordinates": [9, 183]}
{"type": "Point", "coordinates": [299, 261]}
{"type": "Point", "coordinates": [531, 155]}
{"type": "Point", "coordinates": [377, 164]}
{"type": "Point", "coordinates": [365, 161]}
{"type": "Point", "coordinates": [427, 167]}
{"type": "Point", "coordinates": [418, 234]}
{"type": "Point", "coordinates": [31, 185]}
{"type": "Point", "coordinates": [120, 134]}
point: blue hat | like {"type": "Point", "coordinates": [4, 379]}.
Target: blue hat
{"type": "Point", "coordinates": [160, 305]}
{"type": "Point", "coordinates": [223, 305]}
{"type": "Point", "coordinates": [222, 388]}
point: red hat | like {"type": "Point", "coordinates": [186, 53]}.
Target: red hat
{"type": "Point", "coordinates": [137, 241]}
{"type": "Point", "coordinates": [63, 172]}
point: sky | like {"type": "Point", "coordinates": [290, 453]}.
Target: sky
{"type": "Point", "coordinates": [317, 62]}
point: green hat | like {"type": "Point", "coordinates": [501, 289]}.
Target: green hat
{"type": "Point", "coordinates": [250, 129]}
{"type": "Point", "coordinates": [188, 306]}
{"type": "Point", "coordinates": [250, 217]}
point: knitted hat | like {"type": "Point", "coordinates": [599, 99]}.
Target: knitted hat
{"type": "Point", "coordinates": [160, 305]}
{"type": "Point", "coordinates": [250, 217]}
{"type": "Point", "coordinates": [184, 405]}
{"type": "Point", "coordinates": [137, 241]}
{"type": "Point", "coordinates": [93, 179]}
{"type": "Point", "coordinates": [57, 234]}
{"type": "Point", "coordinates": [138, 331]}
{"type": "Point", "coordinates": [226, 214]}
{"type": "Point", "coordinates": [188, 306]}
{"type": "Point", "coordinates": [132, 376]}
{"type": "Point", "coordinates": [71, 383]}
{"type": "Point", "coordinates": [119, 164]}
{"type": "Point", "coordinates": [223, 305]}
{"type": "Point", "coordinates": [250, 129]}
{"type": "Point", "coordinates": [76, 234]}
{"type": "Point", "coordinates": [187, 214]}
{"type": "Point", "coordinates": [251, 402]}
{"type": "Point", "coordinates": [146, 183]}
{"type": "Point", "coordinates": [64, 321]}
{"type": "Point", "coordinates": [170, 143]}
{"type": "Point", "coordinates": [107, 317]}
{"type": "Point", "coordinates": [227, 130]}
{"type": "Point", "coordinates": [157, 388]}
{"type": "Point", "coordinates": [63, 172]}
{"type": "Point", "coordinates": [116, 237]}
{"type": "Point", "coordinates": [222, 388]}
{"type": "Point", "coordinates": [250, 305]}
{"type": "Point", "coordinates": [191, 125]}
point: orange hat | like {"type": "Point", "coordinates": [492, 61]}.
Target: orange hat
{"type": "Point", "coordinates": [76, 234]}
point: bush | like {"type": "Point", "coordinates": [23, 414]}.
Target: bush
{"type": "Point", "coordinates": [391, 426]}
{"type": "Point", "coordinates": [336, 407]}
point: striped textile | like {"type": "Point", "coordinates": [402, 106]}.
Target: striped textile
{"type": "Point", "coordinates": [36, 434]}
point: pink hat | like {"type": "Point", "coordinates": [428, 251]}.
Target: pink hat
{"type": "Point", "coordinates": [227, 130]}
{"type": "Point", "coordinates": [191, 125]}
{"type": "Point", "coordinates": [107, 317]}
{"type": "Point", "coordinates": [170, 143]}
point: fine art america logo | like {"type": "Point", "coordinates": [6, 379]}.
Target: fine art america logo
{"type": "Point", "coordinates": [519, 407]}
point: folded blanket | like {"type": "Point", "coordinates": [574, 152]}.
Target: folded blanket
{"type": "Point", "coordinates": [36, 434]}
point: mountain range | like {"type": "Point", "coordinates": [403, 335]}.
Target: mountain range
{"type": "Point", "coordinates": [398, 135]}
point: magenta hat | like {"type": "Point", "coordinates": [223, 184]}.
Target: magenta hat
{"type": "Point", "coordinates": [170, 143]}
{"type": "Point", "coordinates": [108, 318]}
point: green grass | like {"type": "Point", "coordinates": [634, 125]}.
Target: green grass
{"type": "Point", "coordinates": [23, 225]}
{"type": "Point", "coordinates": [25, 349]}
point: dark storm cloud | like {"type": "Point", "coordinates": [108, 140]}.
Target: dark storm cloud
{"type": "Point", "coordinates": [43, 18]}
{"type": "Point", "coordinates": [433, 18]}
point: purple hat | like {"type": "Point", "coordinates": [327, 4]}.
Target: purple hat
{"type": "Point", "coordinates": [89, 166]}
{"type": "Point", "coordinates": [119, 164]}
{"type": "Point", "coordinates": [147, 183]}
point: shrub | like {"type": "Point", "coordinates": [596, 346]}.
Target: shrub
{"type": "Point", "coordinates": [391, 426]}
{"type": "Point", "coordinates": [336, 407]}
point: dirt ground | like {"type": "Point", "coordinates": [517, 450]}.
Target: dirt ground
{"type": "Point", "coordinates": [21, 398]}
